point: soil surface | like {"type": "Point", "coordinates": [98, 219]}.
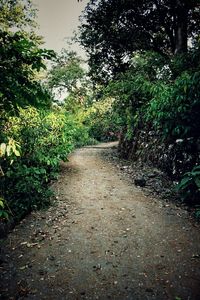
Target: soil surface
{"type": "Point", "coordinates": [102, 239]}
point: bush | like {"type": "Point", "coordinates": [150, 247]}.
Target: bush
{"type": "Point", "coordinates": [45, 138]}
{"type": "Point", "coordinates": [158, 101]}
{"type": "Point", "coordinates": [174, 109]}
{"type": "Point", "coordinates": [103, 121]}
{"type": "Point", "coordinates": [189, 186]}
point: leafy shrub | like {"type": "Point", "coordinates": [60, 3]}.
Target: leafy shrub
{"type": "Point", "coordinates": [45, 138]}
{"type": "Point", "coordinates": [102, 120]}
{"type": "Point", "coordinates": [8, 151]}
{"type": "Point", "coordinates": [158, 101]}
{"type": "Point", "coordinates": [189, 186]}
{"type": "Point", "coordinates": [26, 189]}
{"type": "Point", "coordinates": [4, 214]}
{"type": "Point", "coordinates": [184, 97]}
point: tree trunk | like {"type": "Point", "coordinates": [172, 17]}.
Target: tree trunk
{"type": "Point", "coordinates": [181, 28]}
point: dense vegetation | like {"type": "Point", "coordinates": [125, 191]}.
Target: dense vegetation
{"type": "Point", "coordinates": [143, 87]}
{"type": "Point", "coordinates": [145, 55]}
{"type": "Point", "coordinates": [35, 132]}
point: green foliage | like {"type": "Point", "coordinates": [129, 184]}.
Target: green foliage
{"type": "Point", "coordinates": [20, 59]}
{"type": "Point", "coordinates": [27, 189]}
{"type": "Point", "coordinates": [102, 120]}
{"type": "Point", "coordinates": [45, 138]}
{"type": "Point", "coordinates": [9, 149]}
{"type": "Point", "coordinates": [8, 152]}
{"type": "Point", "coordinates": [66, 72]}
{"type": "Point", "coordinates": [34, 137]}
{"type": "Point", "coordinates": [157, 112]}
{"type": "Point", "coordinates": [112, 30]}
{"type": "Point", "coordinates": [4, 215]}
{"type": "Point", "coordinates": [197, 214]}
{"type": "Point", "coordinates": [17, 13]}
{"type": "Point", "coordinates": [189, 186]}
{"type": "Point", "coordinates": [147, 92]}
{"type": "Point", "coordinates": [184, 96]}
{"type": "Point", "coordinates": [132, 90]}
{"type": "Point", "coordinates": [138, 51]}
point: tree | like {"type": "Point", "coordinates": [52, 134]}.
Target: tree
{"type": "Point", "coordinates": [66, 73]}
{"type": "Point", "coordinates": [112, 30]}
{"type": "Point", "coordinates": [20, 57]}
{"type": "Point", "coordinates": [17, 14]}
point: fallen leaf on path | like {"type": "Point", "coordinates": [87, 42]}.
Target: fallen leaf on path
{"type": "Point", "coordinates": [23, 267]}
{"type": "Point", "coordinates": [23, 243]}
{"type": "Point", "coordinates": [30, 245]}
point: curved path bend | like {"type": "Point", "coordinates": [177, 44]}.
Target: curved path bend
{"type": "Point", "coordinates": [103, 239]}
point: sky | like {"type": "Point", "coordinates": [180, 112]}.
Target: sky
{"type": "Point", "coordinates": [57, 20]}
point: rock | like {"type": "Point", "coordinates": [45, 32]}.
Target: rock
{"type": "Point", "coordinates": [97, 267]}
{"type": "Point", "coordinates": [140, 181]}
{"type": "Point", "coordinates": [83, 293]}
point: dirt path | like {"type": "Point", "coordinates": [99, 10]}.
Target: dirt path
{"type": "Point", "coordinates": [102, 240]}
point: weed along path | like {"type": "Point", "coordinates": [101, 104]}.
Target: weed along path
{"type": "Point", "coordinates": [103, 239]}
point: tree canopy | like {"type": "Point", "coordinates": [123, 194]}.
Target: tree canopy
{"type": "Point", "coordinates": [17, 14]}
{"type": "Point", "coordinates": [21, 57]}
{"type": "Point", "coordinates": [66, 72]}
{"type": "Point", "coordinates": [112, 30]}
